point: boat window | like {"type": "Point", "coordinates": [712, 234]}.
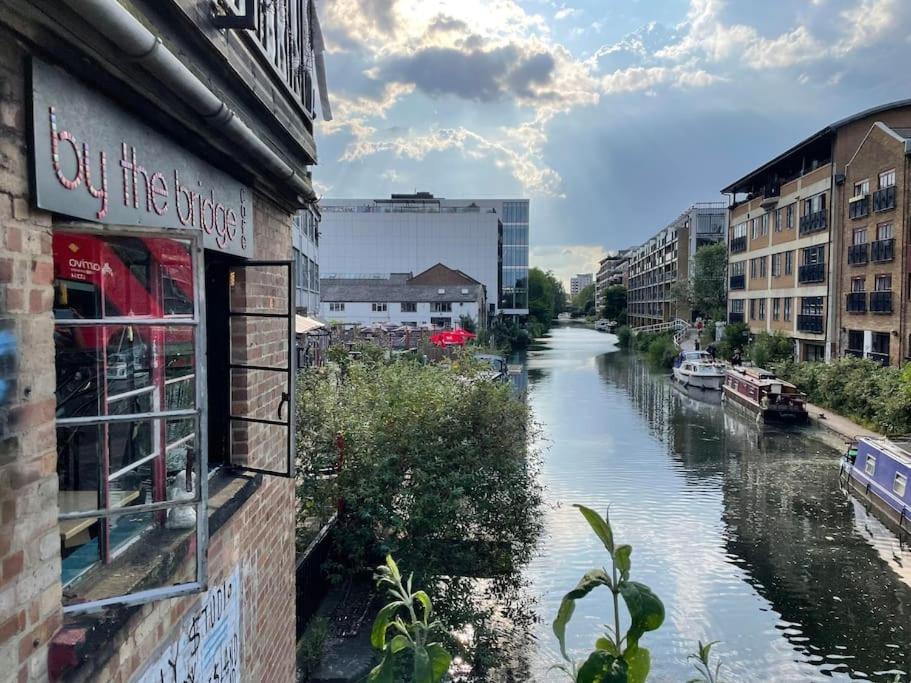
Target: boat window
{"type": "Point", "coordinates": [899, 485]}
{"type": "Point", "coordinates": [870, 465]}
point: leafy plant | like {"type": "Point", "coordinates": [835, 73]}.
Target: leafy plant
{"type": "Point", "coordinates": [311, 648]}
{"type": "Point", "coordinates": [411, 636]}
{"type": "Point", "coordinates": [770, 348]}
{"type": "Point", "coordinates": [736, 338]}
{"type": "Point", "coordinates": [616, 658]}
{"type": "Point", "coordinates": [624, 337]}
{"type": "Point", "coordinates": [703, 664]}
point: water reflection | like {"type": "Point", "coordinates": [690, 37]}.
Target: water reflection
{"type": "Point", "coordinates": [741, 530]}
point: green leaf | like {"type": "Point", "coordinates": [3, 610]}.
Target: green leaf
{"type": "Point", "coordinates": [439, 661]}
{"type": "Point", "coordinates": [381, 624]}
{"type": "Point", "coordinates": [639, 661]}
{"type": "Point", "coordinates": [602, 667]}
{"type": "Point", "coordinates": [382, 672]}
{"type": "Point", "coordinates": [591, 580]}
{"type": "Point", "coordinates": [607, 645]}
{"type": "Point", "coordinates": [601, 527]}
{"type": "Point", "coordinates": [398, 644]}
{"type": "Point", "coordinates": [645, 609]}
{"type": "Point", "coordinates": [422, 670]}
{"type": "Point", "coordinates": [392, 567]}
{"type": "Point", "coordinates": [424, 599]}
{"type": "Point", "coordinates": [621, 558]}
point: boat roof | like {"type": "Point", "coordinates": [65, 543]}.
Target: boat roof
{"type": "Point", "coordinates": [696, 355]}
{"type": "Point", "coordinates": [898, 447]}
{"type": "Point", "coordinates": [759, 376]}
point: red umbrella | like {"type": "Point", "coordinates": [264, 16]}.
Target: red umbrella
{"type": "Point", "coordinates": [451, 338]}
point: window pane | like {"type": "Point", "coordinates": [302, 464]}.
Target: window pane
{"type": "Point", "coordinates": [111, 370]}
{"type": "Point", "coordinates": [102, 277]}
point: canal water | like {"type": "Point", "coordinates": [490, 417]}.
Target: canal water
{"type": "Point", "coordinates": [743, 532]}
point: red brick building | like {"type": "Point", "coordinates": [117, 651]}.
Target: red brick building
{"type": "Point", "coordinates": [153, 155]}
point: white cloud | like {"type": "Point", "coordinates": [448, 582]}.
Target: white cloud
{"type": "Point", "coordinates": [567, 261]}
{"type": "Point", "coordinates": [567, 13]}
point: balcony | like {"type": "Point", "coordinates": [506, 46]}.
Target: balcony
{"type": "Point", "coordinates": [735, 317]}
{"type": "Point", "coordinates": [884, 199]}
{"type": "Point", "coordinates": [859, 208]}
{"type": "Point", "coordinates": [881, 358]}
{"type": "Point", "coordinates": [857, 254]}
{"type": "Point", "coordinates": [738, 244]}
{"type": "Point", "coordinates": [857, 353]}
{"type": "Point", "coordinates": [856, 302]}
{"type": "Point", "coordinates": [882, 250]}
{"type": "Point", "coordinates": [813, 272]}
{"type": "Point", "coordinates": [813, 222]}
{"type": "Point", "coordinates": [737, 282]}
{"type": "Point", "coordinates": [881, 302]}
{"type": "Point", "coordinates": [810, 323]}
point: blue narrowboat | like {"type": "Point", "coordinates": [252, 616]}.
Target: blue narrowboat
{"type": "Point", "coordinates": [877, 470]}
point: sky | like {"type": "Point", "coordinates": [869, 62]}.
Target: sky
{"type": "Point", "coordinates": [612, 116]}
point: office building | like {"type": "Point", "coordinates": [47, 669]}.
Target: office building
{"type": "Point", "coordinates": [579, 282]}
{"type": "Point", "coordinates": [439, 298]}
{"type": "Point", "coordinates": [154, 156]}
{"type": "Point", "coordinates": [487, 239]}
{"type": "Point", "coordinates": [305, 236]}
{"type": "Point", "coordinates": [790, 227]}
{"type": "Point", "coordinates": [667, 257]}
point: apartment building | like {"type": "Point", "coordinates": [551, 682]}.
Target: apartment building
{"type": "Point", "coordinates": [154, 156]}
{"type": "Point", "coordinates": [484, 238]}
{"type": "Point", "coordinates": [667, 257]}
{"type": "Point", "coordinates": [579, 282]}
{"type": "Point", "coordinates": [785, 236]}
{"type": "Point", "coordinates": [872, 261]}
{"type": "Point", "coordinates": [613, 269]}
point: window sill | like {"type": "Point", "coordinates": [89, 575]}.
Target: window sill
{"type": "Point", "coordinates": [89, 639]}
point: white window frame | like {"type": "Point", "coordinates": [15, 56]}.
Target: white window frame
{"type": "Point", "coordinates": [900, 482]}
{"type": "Point", "coordinates": [887, 179]}
{"type": "Point", "coordinates": [862, 188]}
{"type": "Point", "coordinates": [199, 412]}
{"type": "Point", "coordinates": [870, 465]}
{"type": "Point", "coordinates": [379, 307]}
{"type": "Point", "coordinates": [336, 306]}
{"type": "Point", "coordinates": [887, 229]}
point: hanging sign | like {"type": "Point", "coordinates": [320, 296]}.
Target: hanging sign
{"type": "Point", "coordinates": [94, 161]}
{"type": "Point", "coordinates": [208, 646]}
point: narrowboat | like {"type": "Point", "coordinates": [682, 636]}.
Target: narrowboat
{"type": "Point", "coordinates": [877, 471]}
{"type": "Point", "coordinates": [760, 393]}
{"type": "Point", "coordinates": [699, 369]}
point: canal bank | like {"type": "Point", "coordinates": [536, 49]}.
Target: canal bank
{"type": "Point", "coordinates": [741, 530]}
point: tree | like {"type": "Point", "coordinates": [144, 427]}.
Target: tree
{"type": "Point", "coordinates": [584, 301]}
{"type": "Point", "coordinates": [766, 348]}
{"type": "Point", "coordinates": [615, 304]}
{"type": "Point", "coordinates": [705, 291]}
{"type": "Point", "coordinates": [546, 299]}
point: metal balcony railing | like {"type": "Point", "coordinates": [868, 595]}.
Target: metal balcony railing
{"type": "Point", "coordinates": [881, 302]}
{"type": "Point", "coordinates": [737, 282]}
{"type": "Point", "coordinates": [810, 323]}
{"type": "Point", "coordinates": [738, 244]}
{"type": "Point", "coordinates": [881, 358]}
{"type": "Point", "coordinates": [859, 208]}
{"type": "Point", "coordinates": [882, 250]}
{"type": "Point", "coordinates": [813, 272]}
{"type": "Point", "coordinates": [735, 317]}
{"type": "Point", "coordinates": [884, 199]}
{"type": "Point", "coordinates": [813, 222]}
{"type": "Point", "coordinates": [856, 302]}
{"type": "Point", "coordinates": [857, 353]}
{"type": "Point", "coordinates": [857, 254]}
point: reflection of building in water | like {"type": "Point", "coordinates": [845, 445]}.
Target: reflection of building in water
{"type": "Point", "coordinates": [793, 531]}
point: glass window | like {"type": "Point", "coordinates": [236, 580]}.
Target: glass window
{"type": "Point", "coordinates": [790, 213]}
{"type": "Point", "coordinates": [900, 484]}
{"type": "Point", "coordinates": [883, 283]}
{"type": "Point", "coordinates": [752, 309]}
{"type": "Point", "coordinates": [861, 188]}
{"type": "Point", "coordinates": [379, 307]}
{"type": "Point", "coordinates": [776, 265]}
{"type": "Point", "coordinates": [737, 305]}
{"type": "Point", "coordinates": [859, 236]}
{"type": "Point", "coordinates": [787, 308]}
{"type": "Point", "coordinates": [776, 309]}
{"type": "Point", "coordinates": [441, 307]}
{"type": "Point", "coordinates": [337, 306]}
{"type": "Point", "coordinates": [855, 340]}
{"type": "Point", "coordinates": [813, 255]}
{"type": "Point", "coordinates": [870, 465]}
{"type": "Point", "coordinates": [885, 231]}
{"type": "Point", "coordinates": [762, 309]}
{"type": "Point", "coordinates": [858, 284]}
{"type": "Point", "coordinates": [779, 220]}
{"type": "Point", "coordinates": [811, 305]}
{"type": "Point", "coordinates": [409, 307]}
{"type": "Point", "coordinates": [789, 262]}
{"type": "Point", "coordinates": [129, 455]}
{"type": "Point", "coordinates": [880, 343]}
{"type": "Point", "coordinates": [887, 179]}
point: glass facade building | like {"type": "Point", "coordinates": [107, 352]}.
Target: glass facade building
{"type": "Point", "coordinates": [514, 296]}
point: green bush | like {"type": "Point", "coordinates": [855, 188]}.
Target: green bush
{"type": "Point", "coordinates": [311, 648]}
{"type": "Point", "coordinates": [662, 351]}
{"type": "Point", "coordinates": [858, 388]}
{"type": "Point", "coordinates": [624, 336]}
{"type": "Point", "coordinates": [766, 348]}
{"type": "Point", "coordinates": [736, 338]}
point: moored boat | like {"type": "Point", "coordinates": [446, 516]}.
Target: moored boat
{"type": "Point", "coordinates": [698, 369]}
{"type": "Point", "coordinates": [877, 470]}
{"type": "Point", "coordinates": [761, 393]}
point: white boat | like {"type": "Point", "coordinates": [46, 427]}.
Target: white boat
{"type": "Point", "coordinates": [698, 369]}
{"type": "Point", "coordinates": [604, 325]}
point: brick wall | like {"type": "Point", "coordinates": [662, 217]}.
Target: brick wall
{"type": "Point", "coordinates": [30, 593]}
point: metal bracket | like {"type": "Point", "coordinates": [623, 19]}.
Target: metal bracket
{"type": "Point", "coordinates": [246, 21]}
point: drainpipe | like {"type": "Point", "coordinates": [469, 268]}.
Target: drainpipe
{"type": "Point", "coordinates": [140, 45]}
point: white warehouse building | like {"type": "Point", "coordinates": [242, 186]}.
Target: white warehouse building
{"type": "Point", "coordinates": [372, 238]}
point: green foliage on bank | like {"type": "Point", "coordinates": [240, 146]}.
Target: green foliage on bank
{"type": "Point", "coordinates": [624, 336]}
{"type": "Point", "coordinates": [428, 463]}
{"type": "Point", "coordinates": [658, 348]}
{"type": "Point", "coordinates": [614, 306]}
{"type": "Point", "coordinates": [584, 301]}
{"type": "Point", "coordinates": [858, 388]}
{"type": "Point", "coordinates": [735, 341]}
{"type": "Point", "coordinates": [546, 300]}
{"type": "Point", "coordinates": [766, 349]}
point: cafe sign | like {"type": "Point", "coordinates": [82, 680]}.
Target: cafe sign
{"type": "Point", "coordinates": [94, 161]}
